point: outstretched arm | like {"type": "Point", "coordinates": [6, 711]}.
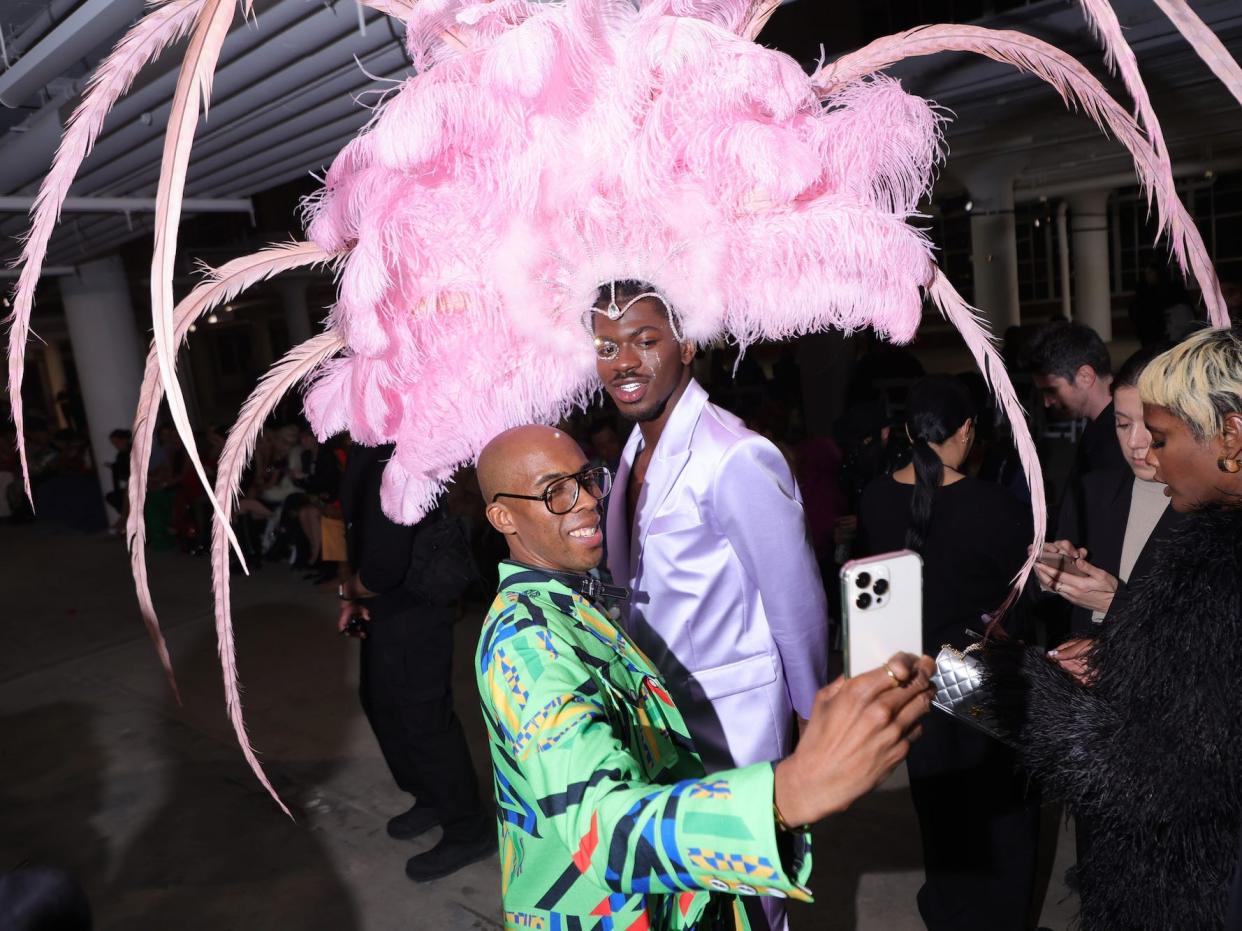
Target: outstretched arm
{"type": "Point", "coordinates": [1060, 726]}
{"type": "Point", "coordinates": [567, 741]}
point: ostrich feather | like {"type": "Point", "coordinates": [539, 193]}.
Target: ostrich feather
{"type": "Point", "coordinates": [222, 285]}
{"type": "Point", "coordinates": [1077, 87]}
{"type": "Point", "coordinates": [967, 320]}
{"type": "Point", "coordinates": [760, 13]}
{"type": "Point", "coordinates": [163, 25]}
{"type": "Point", "coordinates": [298, 364]}
{"type": "Point", "coordinates": [1206, 43]}
{"type": "Point", "coordinates": [192, 92]}
{"type": "Point", "coordinates": [397, 9]}
{"type": "Point", "coordinates": [1119, 56]}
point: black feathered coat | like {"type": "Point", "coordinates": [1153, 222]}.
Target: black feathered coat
{"type": "Point", "coordinates": [1151, 752]}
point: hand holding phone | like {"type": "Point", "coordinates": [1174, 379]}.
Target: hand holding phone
{"type": "Point", "coordinates": [881, 609]}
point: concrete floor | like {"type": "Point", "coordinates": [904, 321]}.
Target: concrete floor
{"type": "Point", "coordinates": [152, 808]}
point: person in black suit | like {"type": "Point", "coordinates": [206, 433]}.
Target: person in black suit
{"type": "Point", "coordinates": [406, 678]}
{"type": "Point", "coordinates": [1070, 366]}
{"type": "Point", "coordinates": [978, 822]}
{"type": "Point", "coordinates": [1112, 533]}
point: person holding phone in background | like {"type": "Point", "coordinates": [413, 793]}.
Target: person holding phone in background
{"type": "Point", "coordinates": [979, 824]}
{"type": "Point", "coordinates": [1110, 537]}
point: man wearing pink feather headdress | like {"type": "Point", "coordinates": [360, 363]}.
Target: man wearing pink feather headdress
{"type": "Point", "coordinates": [707, 528]}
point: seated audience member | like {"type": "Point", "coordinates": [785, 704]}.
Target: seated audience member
{"type": "Point", "coordinates": [117, 498]}
{"type": "Point", "coordinates": [1146, 741]}
{"type": "Point", "coordinates": [603, 804]}
{"type": "Point", "coordinates": [979, 824]}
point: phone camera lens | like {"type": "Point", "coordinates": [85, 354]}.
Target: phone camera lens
{"type": "Point", "coordinates": [864, 579]}
{"type": "Point", "coordinates": [863, 600]}
{"type": "Point", "coordinates": [881, 586]}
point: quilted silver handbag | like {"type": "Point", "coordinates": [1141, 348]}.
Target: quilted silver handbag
{"type": "Point", "coordinates": [959, 688]}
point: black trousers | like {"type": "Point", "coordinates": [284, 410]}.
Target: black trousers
{"type": "Point", "coordinates": [980, 829]}
{"type": "Point", "coordinates": [406, 687]}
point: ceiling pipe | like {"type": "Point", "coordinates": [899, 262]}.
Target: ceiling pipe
{"type": "Point", "coordinates": [302, 59]}
{"type": "Point", "coordinates": [48, 271]}
{"type": "Point", "coordinates": [26, 150]}
{"type": "Point", "coordinates": [23, 203]}
{"type": "Point", "coordinates": [1120, 179]}
{"type": "Point", "coordinates": [287, 118]}
{"type": "Point", "coordinates": [74, 37]}
{"type": "Point", "coordinates": [35, 29]}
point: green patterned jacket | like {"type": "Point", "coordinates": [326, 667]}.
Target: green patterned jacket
{"type": "Point", "coordinates": [606, 820]}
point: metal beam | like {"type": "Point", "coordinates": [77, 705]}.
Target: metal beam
{"type": "Point", "coordinates": [49, 271]}
{"type": "Point", "coordinates": [23, 203]}
{"type": "Point", "coordinates": [92, 23]}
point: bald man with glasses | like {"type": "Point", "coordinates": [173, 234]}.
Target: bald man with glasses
{"type": "Point", "coordinates": [604, 808]}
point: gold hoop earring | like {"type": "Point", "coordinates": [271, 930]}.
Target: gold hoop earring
{"type": "Point", "coordinates": [1231, 466]}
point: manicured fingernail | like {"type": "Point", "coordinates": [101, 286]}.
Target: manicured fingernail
{"type": "Point", "coordinates": [1052, 652]}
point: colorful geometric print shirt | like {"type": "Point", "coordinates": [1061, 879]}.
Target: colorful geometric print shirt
{"type": "Point", "coordinates": [606, 820]}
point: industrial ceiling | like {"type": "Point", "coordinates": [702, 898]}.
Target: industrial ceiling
{"type": "Point", "coordinates": [294, 85]}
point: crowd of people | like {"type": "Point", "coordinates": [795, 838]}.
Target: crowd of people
{"type": "Point", "coordinates": [1108, 694]}
{"type": "Point", "coordinates": [657, 662]}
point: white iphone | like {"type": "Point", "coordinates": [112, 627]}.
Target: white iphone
{"type": "Point", "coordinates": [881, 609]}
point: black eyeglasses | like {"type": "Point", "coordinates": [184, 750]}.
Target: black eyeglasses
{"type": "Point", "coordinates": [561, 496]}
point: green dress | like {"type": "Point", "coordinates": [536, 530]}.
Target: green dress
{"type": "Point", "coordinates": [606, 819]}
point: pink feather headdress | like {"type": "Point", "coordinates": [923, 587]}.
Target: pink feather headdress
{"type": "Point", "coordinates": [545, 149]}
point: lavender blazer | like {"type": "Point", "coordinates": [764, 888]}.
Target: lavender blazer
{"type": "Point", "coordinates": [727, 599]}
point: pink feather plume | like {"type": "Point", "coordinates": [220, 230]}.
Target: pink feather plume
{"type": "Point", "coordinates": [1078, 88]}
{"type": "Point", "coordinates": [968, 321]}
{"type": "Point", "coordinates": [1118, 55]}
{"type": "Point", "coordinates": [192, 93]}
{"type": "Point", "coordinates": [222, 285]}
{"type": "Point", "coordinates": [1206, 43]}
{"type": "Point", "coordinates": [163, 25]}
{"type": "Point", "coordinates": [298, 364]}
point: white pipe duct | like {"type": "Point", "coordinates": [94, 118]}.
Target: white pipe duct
{"type": "Point", "coordinates": [48, 271]}
{"type": "Point", "coordinates": [78, 34]}
{"type": "Point", "coordinates": [22, 204]}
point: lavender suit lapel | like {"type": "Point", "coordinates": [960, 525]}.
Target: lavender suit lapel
{"type": "Point", "coordinates": [617, 525]}
{"type": "Point", "coordinates": [671, 455]}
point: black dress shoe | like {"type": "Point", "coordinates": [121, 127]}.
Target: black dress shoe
{"type": "Point", "coordinates": [418, 820]}
{"type": "Point", "coordinates": [449, 856]}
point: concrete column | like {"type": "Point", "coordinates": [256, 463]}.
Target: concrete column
{"type": "Point", "coordinates": [105, 352]}
{"type": "Point", "coordinates": [54, 363]}
{"type": "Point", "coordinates": [1089, 240]}
{"type": "Point", "coordinates": [1063, 260]}
{"type": "Point", "coordinates": [297, 311]}
{"type": "Point", "coordinates": [994, 245]}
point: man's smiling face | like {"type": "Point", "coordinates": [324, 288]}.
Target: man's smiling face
{"type": "Point", "coordinates": [639, 359]}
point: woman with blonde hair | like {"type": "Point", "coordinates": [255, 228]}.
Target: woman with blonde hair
{"type": "Point", "coordinates": [1146, 741]}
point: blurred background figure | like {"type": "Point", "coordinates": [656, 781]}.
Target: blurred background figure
{"type": "Point", "coordinates": [978, 820]}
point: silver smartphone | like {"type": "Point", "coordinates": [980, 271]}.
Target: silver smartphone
{"type": "Point", "coordinates": [881, 609]}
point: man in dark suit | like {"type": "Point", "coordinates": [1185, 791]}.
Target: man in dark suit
{"type": "Point", "coordinates": [1115, 518]}
{"type": "Point", "coordinates": [406, 678]}
{"type": "Point", "coordinates": [1070, 366]}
